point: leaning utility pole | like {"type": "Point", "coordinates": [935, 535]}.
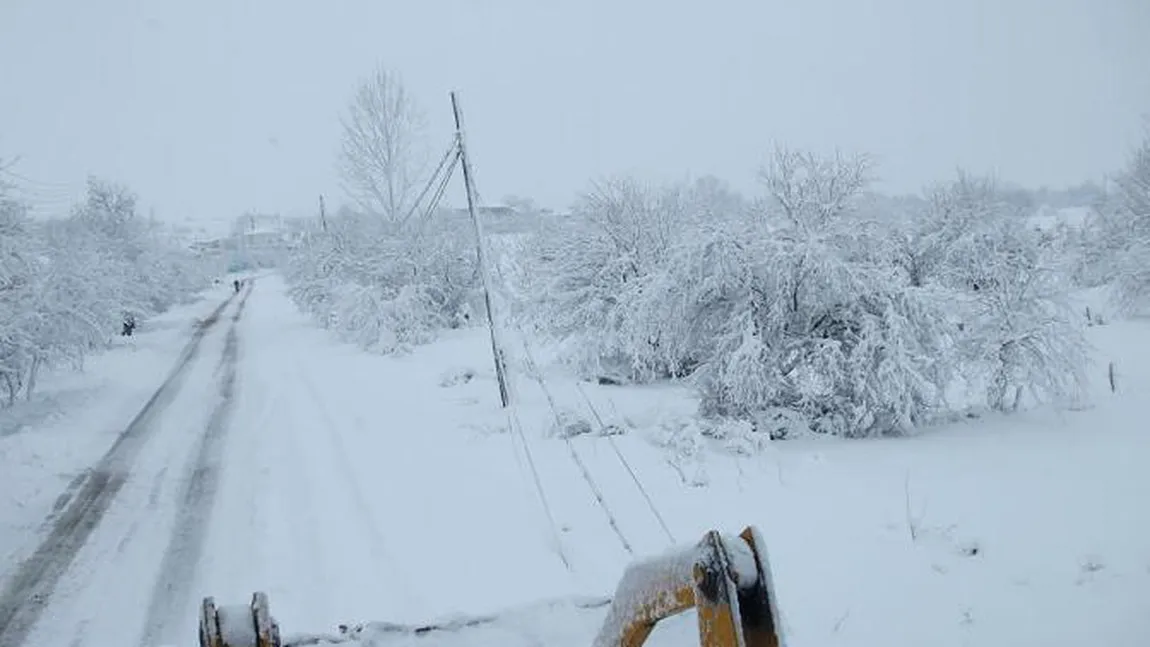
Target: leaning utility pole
{"type": "Point", "coordinates": [496, 346]}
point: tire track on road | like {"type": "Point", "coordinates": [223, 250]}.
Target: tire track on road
{"type": "Point", "coordinates": [172, 590]}
{"type": "Point", "coordinates": [365, 515]}
{"type": "Point", "coordinates": [28, 590]}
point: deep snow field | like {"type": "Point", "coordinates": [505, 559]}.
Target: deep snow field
{"type": "Point", "coordinates": [354, 487]}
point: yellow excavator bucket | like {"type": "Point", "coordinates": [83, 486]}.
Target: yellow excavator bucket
{"type": "Point", "coordinates": [727, 580]}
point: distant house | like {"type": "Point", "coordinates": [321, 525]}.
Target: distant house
{"type": "Point", "coordinates": [499, 210]}
{"type": "Point", "coordinates": [258, 231]}
{"type": "Point", "coordinates": [1048, 218]}
{"type": "Point", "coordinates": [252, 223]}
{"type": "Point", "coordinates": [210, 246]}
{"type": "Point", "coordinates": [494, 210]}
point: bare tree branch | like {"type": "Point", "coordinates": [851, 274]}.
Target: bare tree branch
{"type": "Point", "coordinates": [810, 190]}
{"type": "Point", "coordinates": [383, 158]}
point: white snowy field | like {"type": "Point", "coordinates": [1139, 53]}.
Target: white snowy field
{"type": "Point", "coordinates": [354, 487]}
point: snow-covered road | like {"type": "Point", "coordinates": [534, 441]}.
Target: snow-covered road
{"type": "Point", "coordinates": [101, 545]}
{"type": "Point", "coordinates": [266, 463]}
{"type": "Point", "coordinates": [350, 493]}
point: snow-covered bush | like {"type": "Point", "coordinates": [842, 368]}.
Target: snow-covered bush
{"type": "Point", "coordinates": [843, 347]}
{"type": "Point", "coordinates": [790, 309]}
{"type": "Point", "coordinates": [593, 270]}
{"type": "Point", "coordinates": [812, 312]}
{"type": "Point", "coordinates": [1065, 248]}
{"type": "Point", "coordinates": [817, 332]}
{"type": "Point", "coordinates": [19, 266]}
{"type": "Point", "coordinates": [68, 283]}
{"type": "Point", "coordinates": [387, 286]}
{"type": "Point", "coordinates": [1127, 231]}
{"type": "Point", "coordinates": [1008, 292]}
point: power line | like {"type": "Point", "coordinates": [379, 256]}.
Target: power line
{"type": "Point", "coordinates": [622, 459]}
{"type": "Point", "coordinates": [452, 151]}
{"type": "Point", "coordinates": [538, 376]}
{"type": "Point", "coordinates": [517, 429]}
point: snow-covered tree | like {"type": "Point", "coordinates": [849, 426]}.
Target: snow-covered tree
{"type": "Point", "coordinates": [1022, 332]}
{"type": "Point", "coordinates": [14, 221]}
{"type": "Point", "coordinates": [383, 159]}
{"type": "Point", "coordinates": [387, 275]}
{"type": "Point", "coordinates": [815, 311]}
{"type": "Point", "coordinates": [18, 269]}
{"type": "Point", "coordinates": [1127, 231]}
{"type": "Point", "coordinates": [67, 283]}
{"type": "Point", "coordinates": [810, 192]}
{"type": "Point", "coordinates": [779, 313]}
{"type": "Point", "coordinates": [1007, 293]}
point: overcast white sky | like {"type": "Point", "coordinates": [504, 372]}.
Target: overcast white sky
{"type": "Point", "coordinates": [211, 107]}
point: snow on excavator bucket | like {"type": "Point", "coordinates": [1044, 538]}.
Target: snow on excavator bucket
{"type": "Point", "coordinates": [727, 580]}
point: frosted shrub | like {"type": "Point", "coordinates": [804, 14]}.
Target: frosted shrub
{"type": "Point", "coordinates": [844, 349]}
{"type": "Point", "coordinates": [590, 266]}
{"type": "Point", "coordinates": [1129, 222]}
{"type": "Point", "coordinates": [1008, 289]}
{"type": "Point", "coordinates": [378, 321]}
{"type": "Point", "coordinates": [812, 328]}
{"type": "Point", "coordinates": [18, 268]}
{"type": "Point", "coordinates": [386, 286]}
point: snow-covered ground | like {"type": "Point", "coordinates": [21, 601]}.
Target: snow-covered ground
{"type": "Point", "coordinates": [47, 444]}
{"type": "Point", "coordinates": [354, 487]}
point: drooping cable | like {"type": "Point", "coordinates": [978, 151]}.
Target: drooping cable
{"type": "Point", "coordinates": [622, 459]}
